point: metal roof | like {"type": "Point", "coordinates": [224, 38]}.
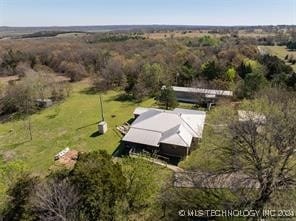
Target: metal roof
{"type": "Point", "coordinates": [147, 137]}
{"type": "Point", "coordinates": [176, 127]}
{"type": "Point", "coordinates": [140, 110]}
{"type": "Point", "coordinates": [203, 91]}
{"type": "Point", "coordinates": [244, 116]}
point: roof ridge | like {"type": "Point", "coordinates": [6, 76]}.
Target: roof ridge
{"type": "Point", "coordinates": [188, 125]}
{"type": "Point", "coordinates": [182, 138]}
{"type": "Point", "coordinates": [147, 129]}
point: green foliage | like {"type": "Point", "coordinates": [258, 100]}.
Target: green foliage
{"type": "Point", "coordinates": [19, 196]}
{"type": "Point", "coordinates": [110, 37]}
{"type": "Point", "coordinates": [291, 81]}
{"type": "Point", "coordinates": [167, 97]}
{"type": "Point", "coordinates": [149, 81]}
{"type": "Point", "coordinates": [255, 66]}
{"type": "Point", "coordinates": [253, 83]}
{"type": "Point", "coordinates": [244, 69]}
{"type": "Point", "coordinates": [275, 66]}
{"type": "Point", "coordinates": [141, 182]}
{"type": "Point", "coordinates": [101, 185]}
{"type": "Point", "coordinates": [10, 172]}
{"type": "Point", "coordinates": [291, 45]}
{"type": "Point", "coordinates": [187, 71]}
{"type": "Point", "coordinates": [230, 74]}
{"type": "Point", "coordinates": [210, 70]}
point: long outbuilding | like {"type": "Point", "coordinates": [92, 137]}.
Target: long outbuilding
{"type": "Point", "coordinates": [198, 95]}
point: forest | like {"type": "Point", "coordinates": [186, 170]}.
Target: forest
{"type": "Point", "coordinates": [141, 66]}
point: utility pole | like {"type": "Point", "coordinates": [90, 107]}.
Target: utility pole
{"type": "Point", "coordinates": [177, 75]}
{"type": "Point", "coordinates": [102, 110]}
{"type": "Point", "coordinates": [29, 119]}
{"type": "Point", "coordinates": [102, 124]}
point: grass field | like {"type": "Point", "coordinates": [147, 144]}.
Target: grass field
{"type": "Point", "coordinates": [280, 51]}
{"type": "Point", "coordinates": [72, 124]}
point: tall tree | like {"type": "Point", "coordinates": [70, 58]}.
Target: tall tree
{"type": "Point", "coordinates": [210, 70]}
{"type": "Point", "coordinates": [101, 185]}
{"type": "Point", "coordinates": [167, 97]}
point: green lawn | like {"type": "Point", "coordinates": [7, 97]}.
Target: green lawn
{"type": "Point", "coordinates": [72, 124]}
{"type": "Point", "coordinates": [280, 51]}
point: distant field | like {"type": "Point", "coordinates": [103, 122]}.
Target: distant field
{"type": "Point", "coordinates": [176, 34]}
{"type": "Point", "coordinates": [280, 51]}
{"type": "Point", "coordinates": [196, 33]}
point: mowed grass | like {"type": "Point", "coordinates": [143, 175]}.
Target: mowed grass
{"type": "Point", "coordinates": [281, 52]}
{"type": "Point", "coordinates": [72, 123]}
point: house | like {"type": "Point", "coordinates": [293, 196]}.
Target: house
{"type": "Point", "coordinates": [165, 132]}
{"type": "Point", "coordinates": [199, 95]}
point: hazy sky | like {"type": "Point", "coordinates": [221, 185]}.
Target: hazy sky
{"type": "Point", "coordinates": [108, 12]}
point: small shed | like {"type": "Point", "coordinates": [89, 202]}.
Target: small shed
{"type": "Point", "coordinates": [102, 127]}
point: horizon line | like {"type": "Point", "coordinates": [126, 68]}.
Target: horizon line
{"type": "Point", "coordinates": [181, 25]}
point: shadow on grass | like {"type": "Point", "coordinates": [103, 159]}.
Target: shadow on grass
{"type": "Point", "coordinates": [11, 117]}
{"type": "Point", "coordinates": [15, 145]}
{"type": "Point", "coordinates": [89, 91]}
{"type": "Point", "coordinates": [120, 151]}
{"type": "Point", "coordinates": [123, 97]}
{"type": "Point", "coordinates": [130, 121]}
{"type": "Point", "coordinates": [86, 126]}
{"type": "Point", "coordinates": [51, 116]}
{"type": "Point", "coordinates": [95, 134]}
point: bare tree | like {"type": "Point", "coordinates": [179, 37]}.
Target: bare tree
{"type": "Point", "coordinates": [56, 200]}
{"type": "Point", "coordinates": [261, 148]}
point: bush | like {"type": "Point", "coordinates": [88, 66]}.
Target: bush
{"type": "Point", "coordinates": [73, 70]}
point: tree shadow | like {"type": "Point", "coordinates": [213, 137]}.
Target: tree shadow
{"type": "Point", "coordinates": [89, 91]}
{"type": "Point", "coordinates": [123, 97]}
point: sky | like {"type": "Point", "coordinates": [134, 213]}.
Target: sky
{"type": "Point", "coordinates": [132, 12]}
